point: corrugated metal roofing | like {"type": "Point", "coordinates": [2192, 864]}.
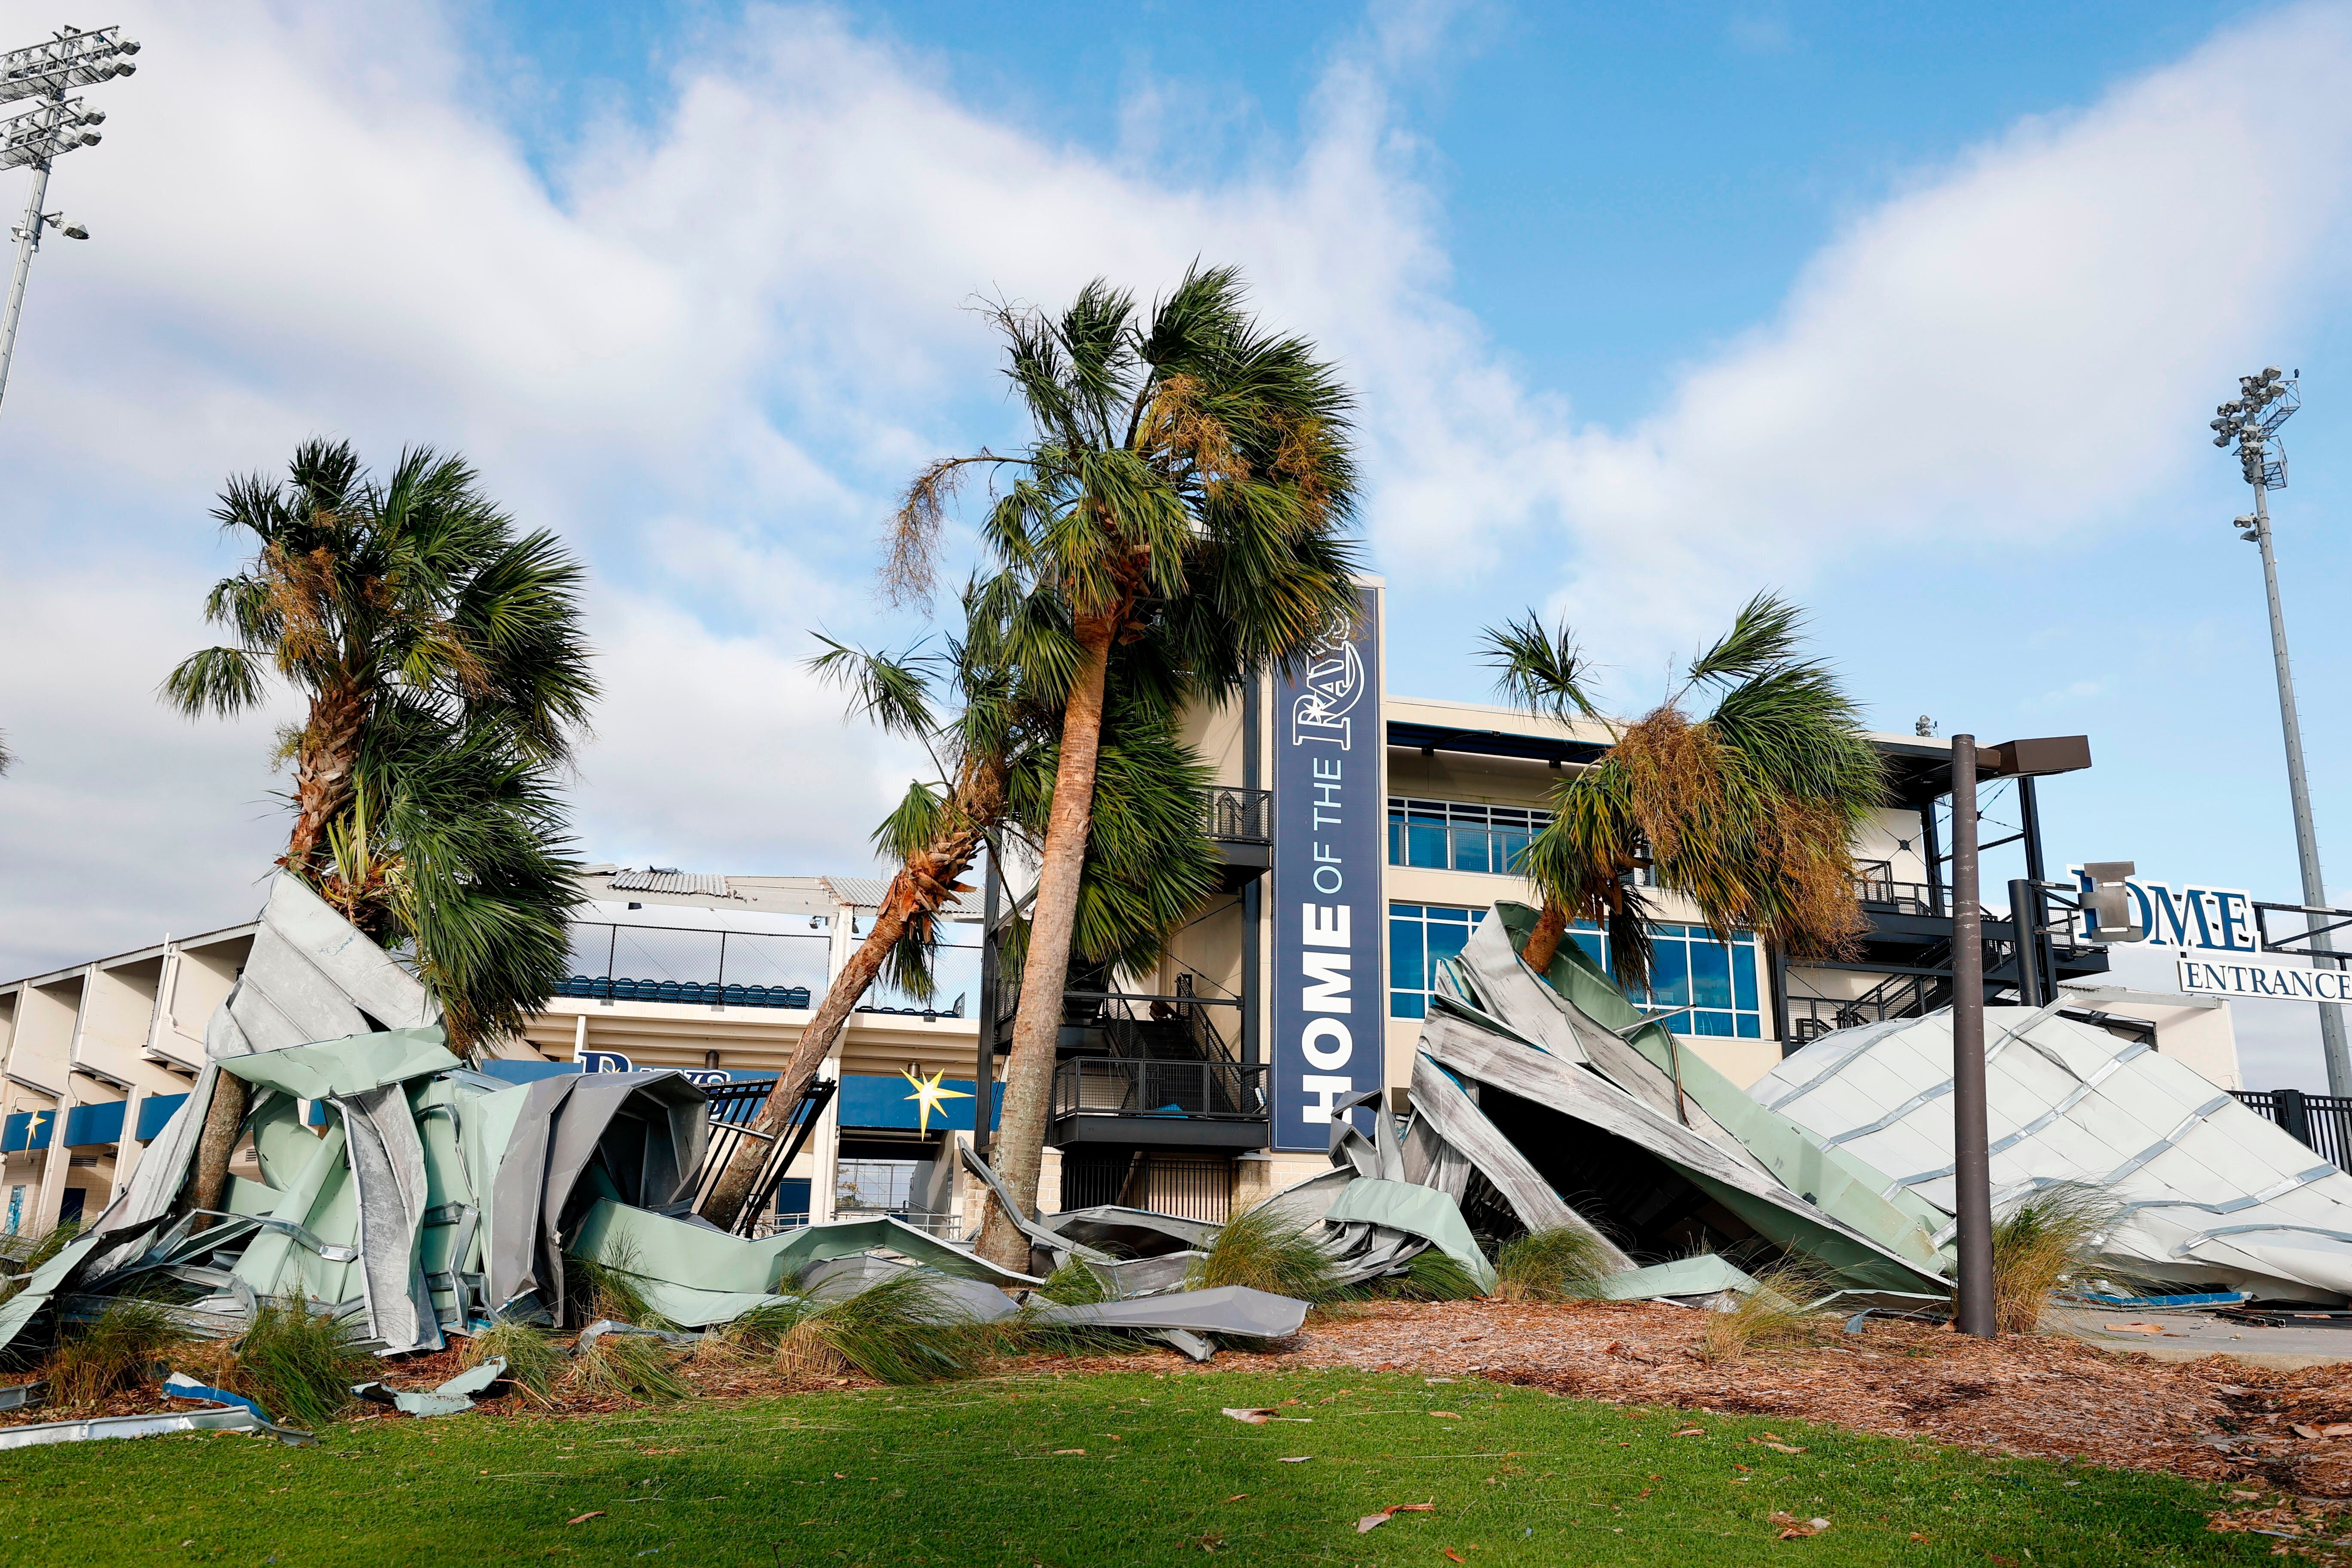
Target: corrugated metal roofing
{"type": "Point", "coordinates": [866, 893]}
{"type": "Point", "coordinates": [2211, 1191]}
{"type": "Point", "coordinates": [705, 882]}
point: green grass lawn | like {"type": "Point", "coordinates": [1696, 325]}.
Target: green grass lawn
{"type": "Point", "coordinates": [973, 1473]}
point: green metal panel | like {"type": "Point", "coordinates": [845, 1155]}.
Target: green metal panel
{"type": "Point", "coordinates": [1852, 1191]}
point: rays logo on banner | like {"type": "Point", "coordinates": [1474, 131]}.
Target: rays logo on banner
{"type": "Point", "coordinates": [605, 1061]}
{"type": "Point", "coordinates": [2218, 919]}
{"type": "Point", "coordinates": [1328, 818]}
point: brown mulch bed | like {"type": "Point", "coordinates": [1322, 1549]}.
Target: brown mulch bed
{"type": "Point", "coordinates": [2040, 1395]}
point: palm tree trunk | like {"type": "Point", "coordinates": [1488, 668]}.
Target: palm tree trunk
{"type": "Point", "coordinates": [1020, 1146]}
{"type": "Point", "coordinates": [920, 887]}
{"type": "Point", "coordinates": [323, 770]}
{"type": "Point", "coordinates": [323, 786]}
{"type": "Point", "coordinates": [223, 1117]}
{"type": "Point", "coordinates": [1543, 943]}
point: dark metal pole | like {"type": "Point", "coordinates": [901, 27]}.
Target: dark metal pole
{"type": "Point", "coordinates": [1781, 996]}
{"type": "Point", "coordinates": [2026, 926]}
{"type": "Point", "coordinates": [983, 1088]}
{"type": "Point", "coordinates": [1934, 855]}
{"type": "Point", "coordinates": [1253, 890]}
{"type": "Point", "coordinates": [1973, 1166]}
{"type": "Point", "coordinates": [2028, 819]}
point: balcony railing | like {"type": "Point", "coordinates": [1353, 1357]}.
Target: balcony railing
{"type": "Point", "coordinates": [684, 993]}
{"type": "Point", "coordinates": [1239, 816]}
{"type": "Point", "coordinates": [1178, 1091]}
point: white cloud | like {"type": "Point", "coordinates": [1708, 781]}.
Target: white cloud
{"type": "Point", "coordinates": [120, 820]}
{"type": "Point", "coordinates": [2020, 344]}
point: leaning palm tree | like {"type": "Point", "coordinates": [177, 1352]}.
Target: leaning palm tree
{"type": "Point", "coordinates": [1188, 479]}
{"type": "Point", "coordinates": [994, 763]}
{"type": "Point", "coordinates": [445, 676]}
{"type": "Point", "coordinates": [1748, 812]}
{"type": "Point", "coordinates": [935, 834]}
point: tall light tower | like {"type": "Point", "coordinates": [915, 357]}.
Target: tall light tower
{"type": "Point", "coordinates": [2250, 424]}
{"type": "Point", "coordinates": [35, 137]}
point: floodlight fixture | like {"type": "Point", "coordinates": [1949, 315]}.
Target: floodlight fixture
{"type": "Point", "coordinates": [56, 124]}
{"type": "Point", "coordinates": [32, 137]}
{"type": "Point", "coordinates": [71, 58]}
{"type": "Point", "coordinates": [2270, 400]}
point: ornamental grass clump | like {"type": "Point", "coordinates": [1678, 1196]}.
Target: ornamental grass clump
{"type": "Point", "coordinates": [611, 1286]}
{"type": "Point", "coordinates": [1074, 1284]}
{"type": "Point", "coordinates": [905, 1328]}
{"type": "Point", "coordinates": [1773, 1316]}
{"type": "Point", "coordinates": [1431, 1276]}
{"type": "Point", "coordinates": [2044, 1242]}
{"type": "Point", "coordinates": [1266, 1250]}
{"type": "Point", "coordinates": [301, 1365]}
{"type": "Point", "coordinates": [1561, 1264]}
{"type": "Point", "coordinates": [534, 1358]}
{"type": "Point", "coordinates": [631, 1365]}
{"type": "Point", "coordinates": [116, 1352]}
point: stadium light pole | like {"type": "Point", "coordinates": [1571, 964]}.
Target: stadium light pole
{"type": "Point", "coordinates": [2250, 423]}
{"type": "Point", "coordinates": [37, 136]}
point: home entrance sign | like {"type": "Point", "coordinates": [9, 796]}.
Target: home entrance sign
{"type": "Point", "coordinates": [1330, 752]}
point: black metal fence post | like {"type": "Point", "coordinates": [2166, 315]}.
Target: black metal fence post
{"type": "Point", "coordinates": [2292, 1115]}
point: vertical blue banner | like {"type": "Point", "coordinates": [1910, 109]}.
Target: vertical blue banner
{"type": "Point", "coordinates": [1329, 1002]}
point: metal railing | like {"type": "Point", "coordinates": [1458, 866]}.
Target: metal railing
{"type": "Point", "coordinates": [2321, 1122]}
{"type": "Point", "coordinates": [1192, 1090]}
{"type": "Point", "coordinates": [687, 965]}
{"type": "Point", "coordinates": [683, 992]}
{"type": "Point", "coordinates": [1244, 815]}
{"type": "Point", "coordinates": [734, 1108]}
{"type": "Point", "coordinates": [1875, 885]}
{"type": "Point", "coordinates": [1178, 1027]}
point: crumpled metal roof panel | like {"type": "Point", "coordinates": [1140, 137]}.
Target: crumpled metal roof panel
{"type": "Point", "coordinates": [2210, 1191]}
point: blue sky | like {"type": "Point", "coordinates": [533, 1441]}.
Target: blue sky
{"type": "Point", "coordinates": [1915, 314]}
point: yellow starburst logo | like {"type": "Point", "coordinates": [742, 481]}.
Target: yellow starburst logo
{"type": "Point", "coordinates": [930, 1094]}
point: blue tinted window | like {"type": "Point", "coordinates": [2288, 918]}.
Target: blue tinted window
{"type": "Point", "coordinates": [1715, 983]}
{"type": "Point", "coordinates": [1419, 937]}
{"type": "Point", "coordinates": [1670, 975]}
{"type": "Point", "coordinates": [1406, 972]}
{"type": "Point", "coordinates": [1470, 850]}
{"type": "Point", "coordinates": [1456, 835]}
{"type": "Point", "coordinates": [1710, 974]}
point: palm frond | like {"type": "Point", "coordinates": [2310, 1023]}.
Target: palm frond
{"type": "Point", "coordinates": [894, 690]}
{"type": "Point", "coordinates": [220, 680]}
{"type": "Point", "coordinates": [1543, 672]}
{"type": "Point", "coordinates": [1764, 635]}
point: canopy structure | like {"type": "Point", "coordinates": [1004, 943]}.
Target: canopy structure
{"type": "Point", "coordinates": [2211, 1195]}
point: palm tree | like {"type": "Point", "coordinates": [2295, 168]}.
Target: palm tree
{"type": "Point", "coordinates": [1188, 479]}
{"type": "Point", "coordinates": [1748, 812]}
{"type": "Point", "coordinates": [994, 762]}
{"type": "Point", "coordinates": [935, 834]}
{"type": "Point", "coordinates": [441, 658]}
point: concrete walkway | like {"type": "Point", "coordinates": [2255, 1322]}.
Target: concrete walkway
{"type": "Point", "coordinates": [2188, 1336]}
